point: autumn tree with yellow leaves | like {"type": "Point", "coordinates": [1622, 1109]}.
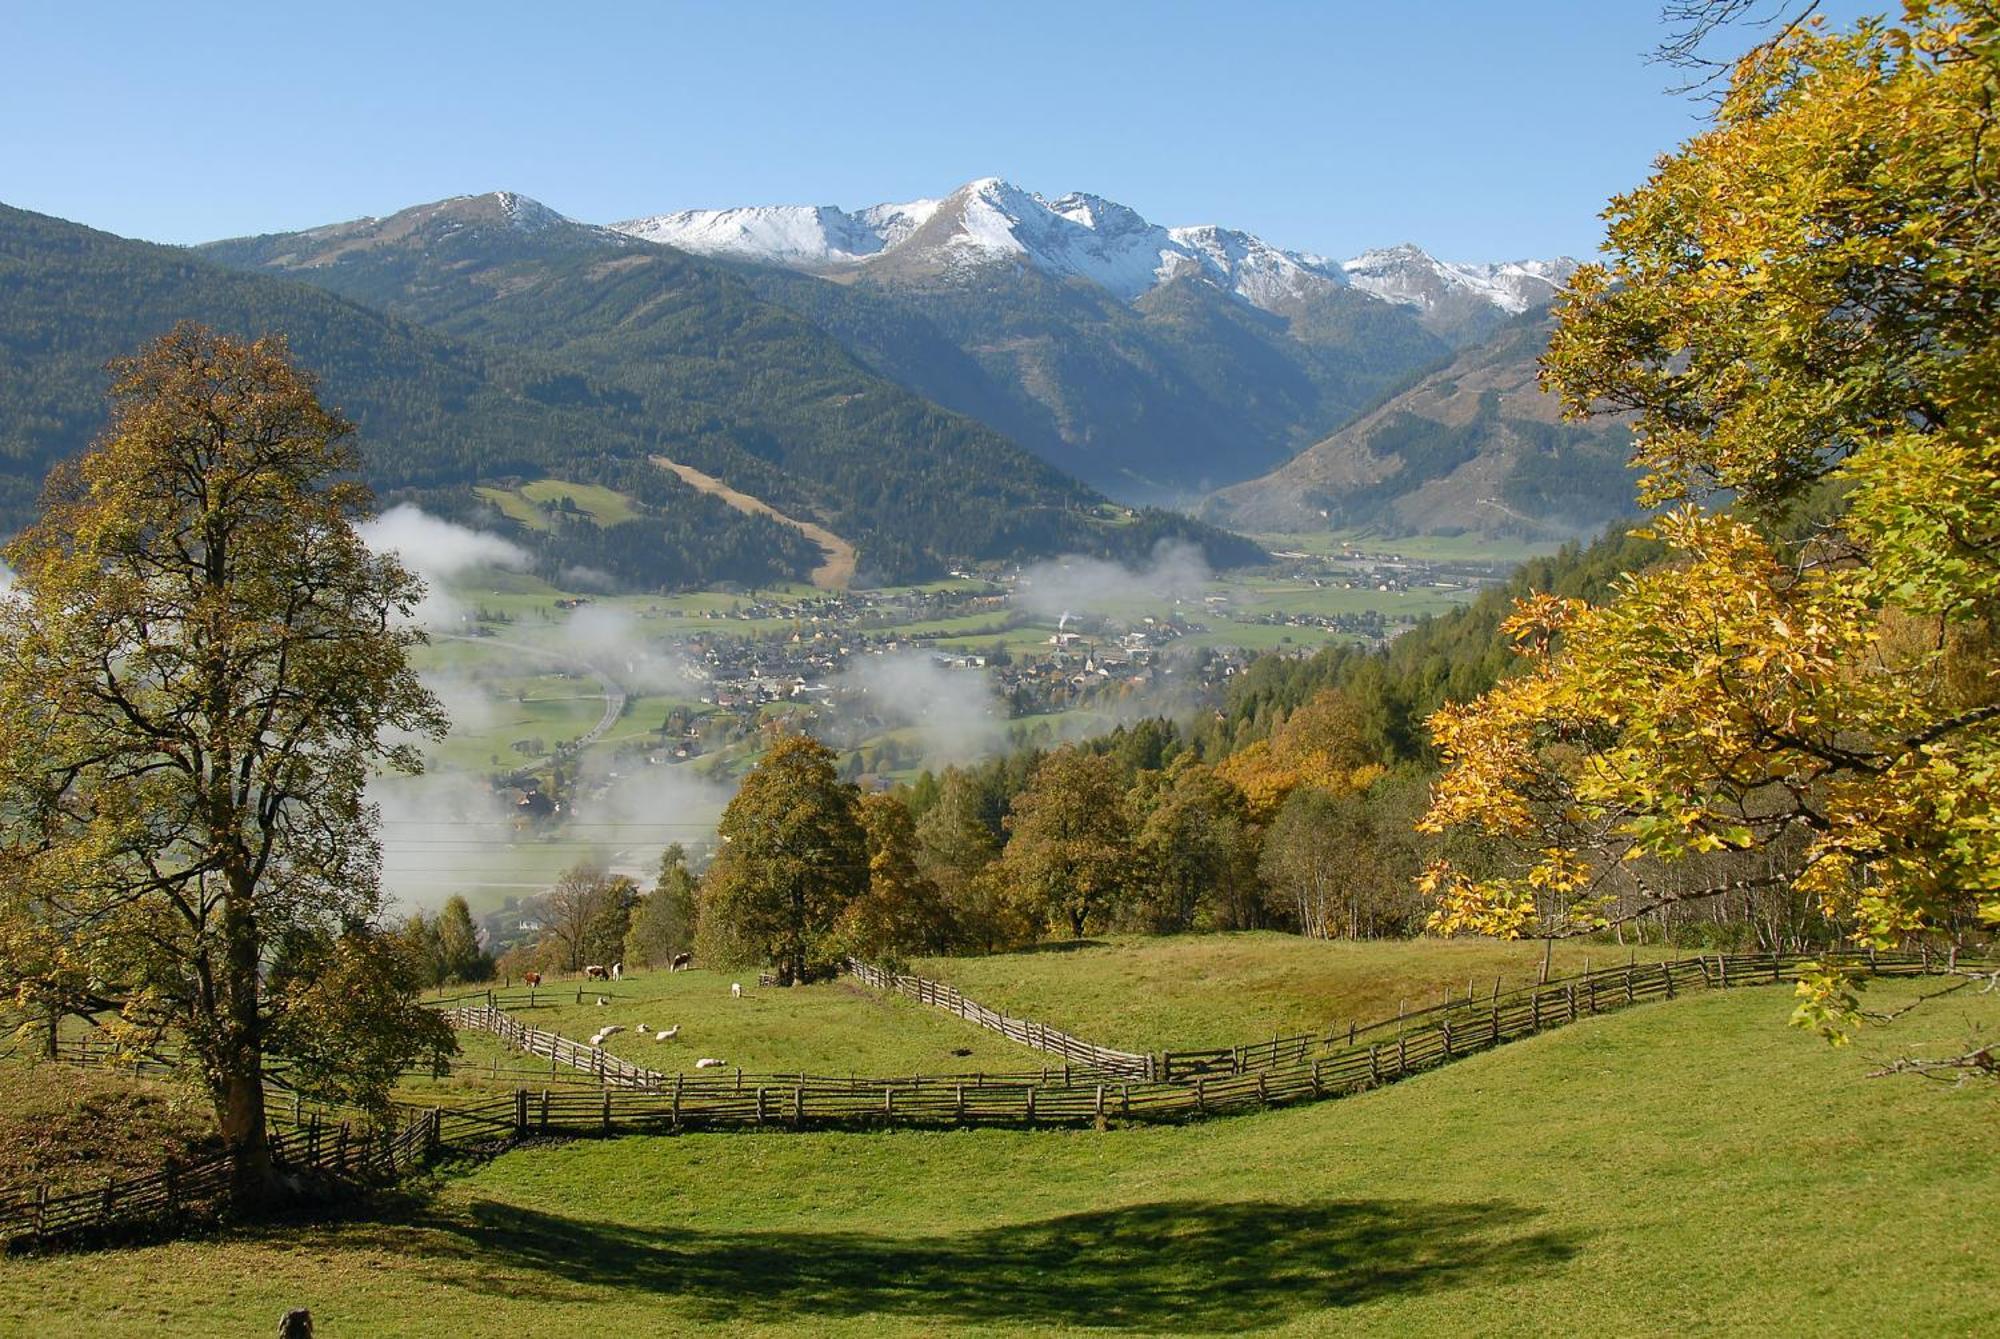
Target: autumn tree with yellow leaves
{"type": "Point", "coordinates": [201, 666]}
{"type": "Point", "coordinates": [1799, 314]}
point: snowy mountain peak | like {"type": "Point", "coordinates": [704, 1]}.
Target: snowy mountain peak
{"type": "Point", "coordinates": [1084, 236]}
{"type": "Point", "coordinates": [1407, 274]}
{"type": "Point", "coordinates": [526, 214]}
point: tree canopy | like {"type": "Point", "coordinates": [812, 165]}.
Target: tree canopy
{"type": "Point", "coordinates": [1799, 314]}
{"type": "Point", "coordinates": [200, 667]}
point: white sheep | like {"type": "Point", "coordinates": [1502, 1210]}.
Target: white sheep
{"type": "Point", "coordinates": [708, 1062]}
{"type": "Point", "coordinates": [669, 1034]}
{"type": "Point", "coordinates": [736, 989]}
{"type": "Point", "coordinates": [601, 1001]}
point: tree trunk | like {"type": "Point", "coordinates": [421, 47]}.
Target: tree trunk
{"type": "Point", "coordinates": [239, 1077]}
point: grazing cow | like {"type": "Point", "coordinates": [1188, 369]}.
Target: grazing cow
{"type": "Point", "coordinates": [708, 1062]}
{"type": "Point", "coordinates": [533, 979]}
{"type": "Point", "coordinates": [617, 971]}
{"type": "Point", "coordinates": [596, 973]}
{"type": "Point", "coordinates": [669, 1034]}
{"type": "Point", "coordinates": [736, 989]}
{"type": "Point", "coordinates": [681, 960]}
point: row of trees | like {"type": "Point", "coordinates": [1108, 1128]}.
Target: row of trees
{"type": "Point", "coordinates": [1137, 833]}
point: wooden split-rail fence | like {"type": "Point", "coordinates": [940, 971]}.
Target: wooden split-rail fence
{"type": "Point", "coordinates": [334, 1154]}
{"type": "Point", "coordinates": [1203, 1083]}
{"type": "Point", "coordinates": [606, 1068]}
{"type": "Point", "coordinates": [1098, 1060]}
{"type": "Point", "coordinates": [1192, 1085]}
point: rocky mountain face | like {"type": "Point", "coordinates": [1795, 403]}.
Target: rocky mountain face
{"type": "Point", "coordinates": [1476, 446]}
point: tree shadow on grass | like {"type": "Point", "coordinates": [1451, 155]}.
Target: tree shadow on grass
{"type": "Point", "coordinates": [1175, 1266]}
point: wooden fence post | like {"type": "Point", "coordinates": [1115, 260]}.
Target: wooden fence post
{"type": "Point", "coordinates": [520, 1111]}
{"type": "Point", "coordinates": [545, 1111]}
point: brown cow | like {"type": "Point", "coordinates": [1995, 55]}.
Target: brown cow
{"type": "Point", "coordinates": [596, 973]}
{"type": "Point", "coordinates": [532, 979]}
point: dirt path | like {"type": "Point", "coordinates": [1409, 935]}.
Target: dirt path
{"type": "Point", "coordinates": [836, 573]}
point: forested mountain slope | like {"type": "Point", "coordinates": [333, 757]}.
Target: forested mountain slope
{"type": "Point", "coordinates": [434, 414]}
{"type": "Point", "coordinates": [736, 386]}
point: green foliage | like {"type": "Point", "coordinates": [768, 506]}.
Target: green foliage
{"type": "Point", "coordinates": [1068, 859]}
{"type": "Point", "coordinates": [663, 924]}
{"type": "Point", "coordinates": [794, 857]}
{"type": "Point", "coordinates": [1196, 850]}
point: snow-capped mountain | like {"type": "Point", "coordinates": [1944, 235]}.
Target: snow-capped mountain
{"type": "Point", "coordinates": [1411, 276]}
{"type": "Point", "coordinates": [1083, 236]}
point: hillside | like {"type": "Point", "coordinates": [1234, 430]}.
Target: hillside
{"type": "Point", "coordinates": [1157, 399]}
{"type": "Point", "coordinates": [434, 414]}
{"type": "Point", "coordinates": [1475, 446]}
{"type": "Point", "coordinates": [735, 386]}
{"type": "Point", "coordinates": [1686, 1166]}
{"type": "Point", "coordinates": [1155, 363]}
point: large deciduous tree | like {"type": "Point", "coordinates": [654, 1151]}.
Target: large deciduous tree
{"type": "Point", "coordinates": [200, 667]}
{"type": "Point", "coordinates": [793, 857]}
{"type": "Point", "coordinates": [1799, 314]}
{"type": "Point", "coordinates": [1068, 860]}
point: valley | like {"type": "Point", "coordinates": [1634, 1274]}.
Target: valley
{"type": "Point", "coordinates": [631, 717]}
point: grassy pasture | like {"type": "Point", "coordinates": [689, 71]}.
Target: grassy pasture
{"type": "Point", "coordinates": [71, 1128]}
{"type": "Point", "coordinates": [1145, 993]}
{"type": "Point", "coordinates": [1684, 1167]}
{"type": "Point", "coordinates": [833, 1028]}
{"type": "Point", "coordinates": [605, 506]}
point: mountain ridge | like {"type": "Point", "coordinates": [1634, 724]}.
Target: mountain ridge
{"type": "Point", "coordinates": [1082, 235]}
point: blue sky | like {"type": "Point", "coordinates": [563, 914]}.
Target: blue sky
{"type": "Point", "coordinates": [1479, 130]}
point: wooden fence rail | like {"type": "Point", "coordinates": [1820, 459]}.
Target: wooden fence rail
{"type": "Point", "coordinates": [342, 1154]}
{"type": "Point", "coordinates": [1098, 1060]}
{"type": "Point", "coordinates": [630, 1098]}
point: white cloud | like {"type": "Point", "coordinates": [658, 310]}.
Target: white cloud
{"type": "Point", "coordinates": [440, 552]}
{"type": "Point", "coordinates": [1079, 585]}
{"type": "Point", "coordinates": [957, 712]}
